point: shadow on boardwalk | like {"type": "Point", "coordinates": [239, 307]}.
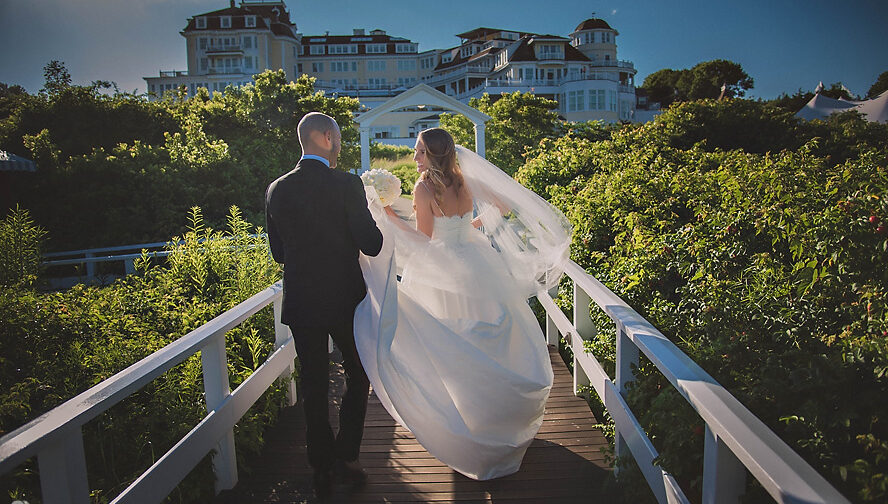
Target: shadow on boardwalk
{"type": "Point", "coordinates": [563, 464]}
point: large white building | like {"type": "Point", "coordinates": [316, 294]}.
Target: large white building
{"type": "Point", "coordinates": [581, 72]}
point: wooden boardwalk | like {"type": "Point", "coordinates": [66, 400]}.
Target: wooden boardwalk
{"type": "Point", "coordinates": [564, 464]}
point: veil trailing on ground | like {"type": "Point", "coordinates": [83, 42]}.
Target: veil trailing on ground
{"type": "Point", "coordinates": [532, 236]}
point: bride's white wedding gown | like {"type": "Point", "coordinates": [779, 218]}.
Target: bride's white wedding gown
{"type": "Point", "coordinates": [453, 350]}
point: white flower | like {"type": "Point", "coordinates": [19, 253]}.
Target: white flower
{"type": "Point", "coordinates": [387, 186]}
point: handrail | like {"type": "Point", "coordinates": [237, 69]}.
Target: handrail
{"type": "Point", "coordinates": [55, 437]}
{"type": "Point", "coordinates": [734, 438]}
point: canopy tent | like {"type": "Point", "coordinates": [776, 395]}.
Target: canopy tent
{"type": "Point", "coordinates": [11, 162]}
{"type": "Point", "coordinates": [821, 107]}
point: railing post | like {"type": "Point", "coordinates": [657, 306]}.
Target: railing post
{"type": "Point", "coordinates": [582, 321]}
{"type": "Point", "coordinates": [552, 334]}
{"type": "Point", "coordinates": [281, 335]}
{"type": "Point", "coordinates": [63, 471]}
{"type": "Point", "coordinates": [216, 390]}
{"type": "Point", "coordinates": [90, 266]}
{"type": "Point", "coordinates": [724, 477]}
{"type": "Point", "coordinates": [129, 266]}
{"type": "Point", "coordinates": [627, 356]}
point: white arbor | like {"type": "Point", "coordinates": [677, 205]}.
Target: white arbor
{"type": "Point", "coordinates": [421, 94]}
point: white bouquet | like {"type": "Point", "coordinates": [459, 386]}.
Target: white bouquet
{"type": "Point", "coordinates": [387, 186]}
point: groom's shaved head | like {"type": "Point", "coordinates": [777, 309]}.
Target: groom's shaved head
{"type": "Point", "coordinates": [312, 124]}
{"type": "Point", "coordinates": [319, 135]}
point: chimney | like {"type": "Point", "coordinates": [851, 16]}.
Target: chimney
{"type": "Point", "coordinates": [359, 32]}
{"type": "Point", "coordinates": [232, 4]}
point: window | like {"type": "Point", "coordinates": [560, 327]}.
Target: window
{"type": "Point", "coordinates": [344, 66]}
{"type": "Point", "coordinates": [317, 49]}
{"type": "Point", "coordinates": [596, 99]}
{"type": "Point", "coordinates": [406, 65]}
{"type": "Point", "coordinates": [298, 68]}
{"type": "Point", "coordinates": [406, 81]}
{"type": "Point", "coordinates": [250, 21]}
{"type": "Point", "coordinates": [248, 62]}
{"type": "Point", "coordinates": [202, 43]}
{"type": "Point", "coordinates": [225, 21]}
{"type": "Point", "coordinates": [203, 64]}
{"type": "Point", "coordinates": [376, 82]}
{"type": "Point", "coordinates": [248, 41]}
{"type": "Point", "coordinates": [343, 49]}
{"type": "Point", "coordinates": [376, 66]}
{"type": "Point", "coordinates": [576, 101]}
{"type": "Point", "coordinates": [317, 67]}
{"type": "Point", "coordinates": [550, 51]}
{"type": "Point", "coordinates": [427, 63]}
{"type": "Point", "coordinates": [405, 48]}
{"type": "Point", "coordinates": [375, 48]}
{"type": "Point", "coordinates": [612, 100]}
{"type": "Point", "coordinates": [200, 23]}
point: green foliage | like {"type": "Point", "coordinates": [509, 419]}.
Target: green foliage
{"type": "Point", "coordinates": [878, 87]}
{"type": "Point", "coordinates": [519, 121]}
{"type": "Point", "coordinates": [765, 263]}
{"type": "Point", "coordinates": [116, 169]}
{"type": "Point", "coordinates": [389, 152]}
{"type": "Point", "coordinates": [704, 80]}
{"type": "Point", "coordinates": [56, 345]}
{"type": "Point", "coordinates": [21, 242]}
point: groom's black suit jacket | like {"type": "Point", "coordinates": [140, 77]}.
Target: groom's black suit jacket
{"type": "Point", "coordinates": [318, 221]}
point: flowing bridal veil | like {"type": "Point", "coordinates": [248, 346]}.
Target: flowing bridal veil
{"type": "Point", "coordinates": [452, 349]}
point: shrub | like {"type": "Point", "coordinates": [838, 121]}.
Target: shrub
{"type": "Point", "coordinates": [767, 268]}
{"type": "Point", "coordinates": [21, 243]}
{"type": "Point", "coordinates": [56, 345]}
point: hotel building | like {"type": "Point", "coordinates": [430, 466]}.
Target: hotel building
{"type": "Point", "coordinates": [581, 72]}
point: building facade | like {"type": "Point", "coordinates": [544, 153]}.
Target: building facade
{"type": "Point", "coordinates": [581, 72]}
{"type": "Point", "coordinates": [229, 46]}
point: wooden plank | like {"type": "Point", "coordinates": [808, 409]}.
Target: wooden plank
{"type": "Point", "coordinates": [564, 464]}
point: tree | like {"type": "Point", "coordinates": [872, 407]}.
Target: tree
{"type": "Point", "coordinates": [707, 78]}
{"type": "Point", "coordinates": [704, 80]}
{"type": "Point", "coordinates": [519, 121]}
{"type": "Point", "coordinates": [879, 87]}
{"type": "Point", "coordinates": [57, 77]}
{"type": "Point", "coordinates": [662, 86]}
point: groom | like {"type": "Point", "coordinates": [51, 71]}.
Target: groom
{"type": "Point", "coordinates": [318, 221]}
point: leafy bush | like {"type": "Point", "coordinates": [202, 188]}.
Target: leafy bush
{"type": "Point", "coordinates": [119, 169]}
{"type": "Point", "coordinates": [767, 266]}
{"type": "Point", "coordinates": [21, 242]}
{"type": "Point", "coordinates": [389, 152]}
{"type": "Point", "coordinates": [56, 345]}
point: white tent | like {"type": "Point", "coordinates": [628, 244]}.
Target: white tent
{"type": "Point", "coordinates": [821, 107]}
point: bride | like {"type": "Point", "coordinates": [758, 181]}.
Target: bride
{"type": "Point", "coordinates": [453, 350]}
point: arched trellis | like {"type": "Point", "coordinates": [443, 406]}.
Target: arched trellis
{"type": "Point", "coordinates": [421, 94]}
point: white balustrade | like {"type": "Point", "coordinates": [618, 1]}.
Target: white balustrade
{"type": "Point", "coordinates": [736, 441]}
{"type": "Point", "coordinates": [55, 437]}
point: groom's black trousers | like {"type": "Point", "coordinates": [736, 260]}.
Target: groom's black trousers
{"type": "Point", "coordinates": [311, 347]}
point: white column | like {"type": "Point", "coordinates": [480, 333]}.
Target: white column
{"type": "Point", "coordinates": [479, 139]}
{"type": "Point", "coordinates": [216, 390]}
{"type": "Point", "coordinates": [365, 148]}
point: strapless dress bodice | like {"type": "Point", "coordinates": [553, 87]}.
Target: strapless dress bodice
{"type": "Point", "coordinates": [453, 229]}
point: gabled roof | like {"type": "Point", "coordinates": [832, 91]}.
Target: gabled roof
{"type": "Point", "coordinates": [270, 16]}
{"type": "Point", "coordinates": [525, 51]}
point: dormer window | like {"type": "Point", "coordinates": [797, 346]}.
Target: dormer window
{"type": "Point", "coordinates": [225, 21]}
{"type": "Point", "coordinates": [200, 23]}
{"type": "Point", "coordinates": [250, 21]}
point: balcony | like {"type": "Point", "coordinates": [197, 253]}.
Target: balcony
{"type": "Point", "coordinates": [225, 50]}
{"type": "Point", "coordinates": [225, 71]}
{"type": "Point", "coordinates": [173, 73]}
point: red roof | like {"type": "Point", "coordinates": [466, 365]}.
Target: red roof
{"type": "Point", "coordinates": [273, 16]}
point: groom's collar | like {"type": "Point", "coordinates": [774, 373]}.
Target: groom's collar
{"type": "Point", "coordinates": [316, 158]}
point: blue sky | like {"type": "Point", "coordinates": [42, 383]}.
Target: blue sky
{"type": "Point", "coordinates": [785, 45]}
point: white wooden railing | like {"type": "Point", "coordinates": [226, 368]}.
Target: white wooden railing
{"type": "Point", "coordinates": [735, 439]}
{"type": "Point", "coordinates": [56, 436]}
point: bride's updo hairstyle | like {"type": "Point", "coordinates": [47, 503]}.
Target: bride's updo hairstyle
{"type": "Point", "coordinates": [442, 169]}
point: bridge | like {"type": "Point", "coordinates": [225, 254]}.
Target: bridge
{"type": "Point", "coordinates": [564, 464]}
